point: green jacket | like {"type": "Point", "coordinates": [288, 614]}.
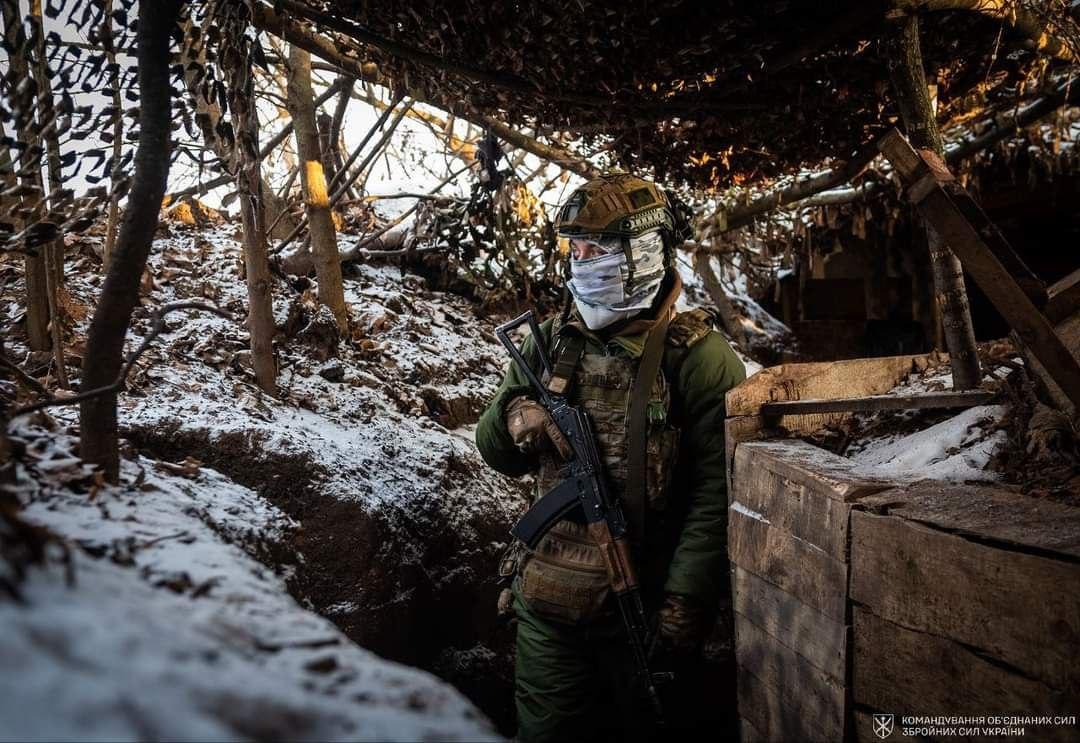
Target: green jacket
{"type": "Point", "coordinates": [699, 376]}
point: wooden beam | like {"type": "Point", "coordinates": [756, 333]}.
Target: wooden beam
{"type": "Point", "coordinates": [970, 233]}
{"type": "Point", "coordinates": [1063, 298]}
{"type": "Point", "coordinates": [923, 401]}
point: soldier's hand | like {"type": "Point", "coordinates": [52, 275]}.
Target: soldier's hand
{"type": "Point", "coordinates": [532, 429]}
{"type": "Point", "coordinates": [684, 624]}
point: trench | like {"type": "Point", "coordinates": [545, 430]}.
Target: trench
{"type": "Point", "coordinates": [433, 609]}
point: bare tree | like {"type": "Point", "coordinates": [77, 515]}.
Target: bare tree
{"type": "Point", "coordinates": [120, 292]}
{"type": "Point", "coordinates": [54, 250]}
{"type": "Point", "coordinates": [314, 185]}
{"type": "Point", "coordinates": [108, 41]}
{"type": "Point", "coordinates": [238, 67]}
{"type": "Point", "coordinates": [29, 173]}
{"type": "Point", "coordinates": [913, 97]}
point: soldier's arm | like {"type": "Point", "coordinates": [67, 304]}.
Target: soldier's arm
{"type": "Point", "coordinates": [492, 438]}
{"type": "Point", "coordinates": [709, 370]}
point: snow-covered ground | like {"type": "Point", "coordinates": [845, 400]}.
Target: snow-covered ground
{"type": "Point", "coordinates": [358, 491]}
{"type": "Point", "coordinates": [370, 449]}
{"type": "Point", "coordinates": [174, 627]}
{"type": "Point", "coordinates": [959, 448]}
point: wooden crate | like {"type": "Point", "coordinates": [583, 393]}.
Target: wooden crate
{"type": "Point", "coordinates": [968, 601]}
{"type": "Point", "coordinates": [788, 542]}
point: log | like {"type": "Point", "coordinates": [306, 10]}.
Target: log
{"type": "Point", "coordinates": [313, 184]}
{"type": "Point", "coordinates": [913, 97]}
{"type": "Point", "coordinates": [1018, 608]}
{"type": "Point", "coordinates": [924, 401]}
{"type": "Point", "coordinates": [820, 380]}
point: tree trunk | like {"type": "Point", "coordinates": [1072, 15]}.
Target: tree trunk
{"type": "Point", "coordinates": [913, 97]}
{"type": "Point", "coordinates": [43, 79]}
{"type": "Point", "coordinates": [108, 42]}
{"type": "Point", "coordinates": [37, 298]}
{"type": "Point", "coordinates": [314, 187]}
{"type": "Point", "coordinates": [120, 292]}
{"type": "Point", "coordinates": [249, 186]}
{"type": "Point", "coordinates": [728, 316]}
{"type": "Point", "coordinates": [207, 116]}
{"type": "Point", "coordinates": [54, 251]}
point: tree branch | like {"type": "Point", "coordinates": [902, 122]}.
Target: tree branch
{"type": "Point", "coordinates": [157, 328]}
{"type": "Point", "coordinates": [267, 20]}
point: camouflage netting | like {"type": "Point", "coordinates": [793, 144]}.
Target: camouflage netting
{"type": "Point", "coordinates": [712, 94]}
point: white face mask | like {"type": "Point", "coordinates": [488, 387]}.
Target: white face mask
{"type": "Point", "coordinates": [599, 284]}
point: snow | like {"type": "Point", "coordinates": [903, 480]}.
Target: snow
{"type": "Point", "coordinates": [173, 628]}
{"type": "Point", "coordinates": [958, 449]}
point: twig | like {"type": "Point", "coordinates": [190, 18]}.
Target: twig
{"type": "Point", "coordinates": [401, 218]}
{"type": "Point", "coordinates": [158, 327]}
{"type": "Point", "coordinates": [23, 377]}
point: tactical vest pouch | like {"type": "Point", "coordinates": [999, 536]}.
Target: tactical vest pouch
{"type": "Point", "coordinates": [564, 578]}
{"type": "Point", "coordinates": [662, 448]}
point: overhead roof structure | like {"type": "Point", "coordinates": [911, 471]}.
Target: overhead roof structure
{"type": "Point", "coordinates": [712, 94]}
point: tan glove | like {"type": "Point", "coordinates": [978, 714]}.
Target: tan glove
{"type": "Point", "coordinates": [532, 429]}
{"type": "Point", "coordinates": [684, 625]}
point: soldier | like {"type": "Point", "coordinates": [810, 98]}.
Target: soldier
{"type": "Point", "coordinates": [653, 383]}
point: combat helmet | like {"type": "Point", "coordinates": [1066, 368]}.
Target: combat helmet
{"type": "Point", "coordinates": [623, 205]}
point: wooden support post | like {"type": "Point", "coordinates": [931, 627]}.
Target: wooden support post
{"type": "Point", "coordinates": [969, 232]}
{"type": "Point", "coordinates": [912, 93]}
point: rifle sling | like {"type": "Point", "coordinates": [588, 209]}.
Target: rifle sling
{"type": "Point", "coordinates": [634, 496]}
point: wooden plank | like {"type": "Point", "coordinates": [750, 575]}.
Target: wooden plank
{"type": "Point", "coordinates": [736, 431]}
{"type": "Point", "coordinates": [798, 460]}
{"type": "Point", "coordinates": [782, 695]}
{"type": "Point", "coordinates": [819, 381]}
{"type": "Point", "coordinates": [806, 572]}
{"type": "Point", "coordinates": [1068, 329]}
{"type": "Point", "coordinates": [802, 489]}
{"type": "Point", "coordinates": [987, 513]}
{"type": "Point", "coordinates": [793, 506]}
{"type": "Point", "coordinates": [925, 401]}
{"type": "Point", "coordinates": [1063, 298]}
{"type": "Point", "coordinates": [899, 671]}
{"type": "Point", "coordinates": [808, 633]}
{"type": "Point", "coordinates": [968, 232]}
{"type": "Point", "coordinates": [1018, 608]}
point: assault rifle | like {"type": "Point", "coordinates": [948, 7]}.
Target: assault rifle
{"type": "Point", "coordinates": [586, 485]}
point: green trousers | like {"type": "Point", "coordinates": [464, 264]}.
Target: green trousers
{"type": "Point", "coordinates": [576, 683]}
